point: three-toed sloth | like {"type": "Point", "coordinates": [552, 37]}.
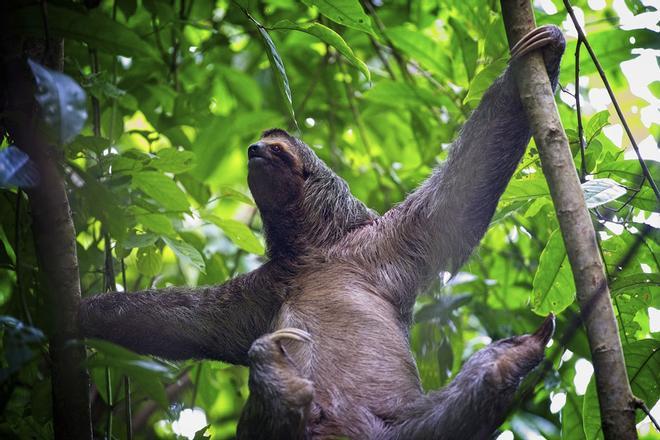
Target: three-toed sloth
{"type": "Point", "coordinates": [323, 324]}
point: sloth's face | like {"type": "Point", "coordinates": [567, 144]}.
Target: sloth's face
{"type": "Point", "coordinates": [276, 173]}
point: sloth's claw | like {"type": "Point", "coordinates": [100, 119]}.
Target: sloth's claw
{"type": "Point", "coordinates": [535, 39]}
{"type": "Point", "coordinates": [291, 333]}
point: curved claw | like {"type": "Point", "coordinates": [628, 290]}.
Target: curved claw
{"type": "Point", "coordinates": [533, 40]}
{"type": "Point", "coordinates": [291, 333]}
{"type": "Point", "coordinates": [546, 330]}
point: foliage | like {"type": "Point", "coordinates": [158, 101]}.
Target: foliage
{"type": "Point", "coordinates": [184, 86]}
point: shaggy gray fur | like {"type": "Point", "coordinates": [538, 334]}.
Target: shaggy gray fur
{"type": "Point", "coordinates": [349, 278]}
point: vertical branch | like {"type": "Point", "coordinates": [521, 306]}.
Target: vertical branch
{"type": "Point", "coordinates": [54, 234]}
{"type": "Point", "coordinates": [614, 394]}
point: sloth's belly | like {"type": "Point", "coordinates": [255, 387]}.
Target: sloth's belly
{"type": "Point", "coordinates": [359, 357]}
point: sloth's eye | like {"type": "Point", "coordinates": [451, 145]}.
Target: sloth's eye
{"type": "Point", "coordinates": [275, 148]}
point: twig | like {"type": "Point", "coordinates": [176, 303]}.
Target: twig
{"type": "Point", "coordinates": [17, 252]}
{"type": "Point", "coordinates": [640, 404]}
{"type": "Point", "coordinates": [601, 72]}
{"type": "Point", "coordinates": [578, 108]}
{"type": "Point", "coordinates": [127, 380]}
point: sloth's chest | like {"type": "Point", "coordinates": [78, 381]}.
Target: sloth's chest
{"type": "Point", "coordinates": [358, 342]}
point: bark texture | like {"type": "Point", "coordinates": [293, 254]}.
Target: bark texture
{"type": "Point", "coordinates": [614, 394]}
{"type": "Point", "coordinates": [54, 235]}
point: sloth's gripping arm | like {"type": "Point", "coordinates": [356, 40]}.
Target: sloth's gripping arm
{"type": "Point", "coordinates": [438, 225]}
{"type": "Point", "coordinates": [215, 322]}
{"type": "Point", "coordinates": [477, 401]}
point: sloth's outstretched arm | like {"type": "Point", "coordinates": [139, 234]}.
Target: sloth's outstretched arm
{"type": "Point", "coordinates": [280, 399]}
{"type": "Point", "coordinates": [476, 402]}
{"type": "Point", "coordinates": [215, 322]}
{"type": "Point", "coordinates": [437, 226]}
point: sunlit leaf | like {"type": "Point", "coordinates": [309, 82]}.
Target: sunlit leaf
{"type": "Point", "coordinates": [596, 124]}
{"type": "Point", "coordinates": [484, 79]}
{"type": "Point", "coordinates": [162, 189]}
{"type": "Point", "coordinates": [186, 253]}
{"type": "Point", "coordinates": [171, 160]}
{"type": "Point", "coordinates": [62, 102]}
{"type": "Point", "coordinates": [239, 233]}
{"type": "Point", "coordinates": [468, 47]}
{"type": "Point", "coordinates": [149, 261]}
{"type": "Point", "coordinates": [330, 37]}
{"type": "Point", "coordinates": [346, 12]}
{"type": "Point", "coordinates": [553, 285]}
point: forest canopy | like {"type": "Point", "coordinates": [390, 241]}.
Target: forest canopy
{"type": "Point", "coordinates": [155, 165]}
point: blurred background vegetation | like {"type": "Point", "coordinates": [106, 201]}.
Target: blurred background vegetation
{"type": "Point", "coordinates": [157, 183]}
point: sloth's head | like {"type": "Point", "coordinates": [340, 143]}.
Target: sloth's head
{"type": "Point", "coordinates": [278, 166]}
{"type": "Point", "coordinates": [297, 194]}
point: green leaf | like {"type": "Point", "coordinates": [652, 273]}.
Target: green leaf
{"type": "Point", "coordinates": [162, 189]}
{"type": "Point", "coordinates": [553, 285]}
{"type": "Point", "coordinates": [239, 233]}
{"type": "Point", "coordinates": [171, 160]}
{"type": "Point", "coordinates": [643, 365]}
{"type": "Point", "coordinates": [149, 261]}
{"type": "Point", "coordinates": [630, 282]}
{"type": "Point", "coordinates": [591, 413]}
{"type": "Point", "coordinates": [483, 80]}
{"type": "Point", "coordinates": [345, 12]}
{"type": "Point", "coordinates": [526, 189]}
{"type": "Point", "coordinates": [422, 48]}
{"type": "Point", "coordinates": [231, 193]}
{"type": "Point", "coordinates": [468, 47]}
{"type": "Point", "coordinates": [596, 124]}
{"type": "Point", "coordinates": [155, 222]}
{"type": "Point", "coordinates": [330, 37]}
{"type": "Point", "coordinates": [186, 253]}
{"type": "Point", "coordinates": [571, 417]}
{"type": "Point", "coordinates": [90, 26]}
{"type": "Point", "coordinates": [600, 191]}
{"type": "Point", "coordinates": [62, 102]}
{"type": "Point", "coordinates": [277, 66]}
{"type": "Point", "coordinates": [138, 240]}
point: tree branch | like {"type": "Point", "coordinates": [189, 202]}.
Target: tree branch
{"type": "Point", "coordinates": [54, 236]}
{"type": "Point", "coordinates": [616, 400]}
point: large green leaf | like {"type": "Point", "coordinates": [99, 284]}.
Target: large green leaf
{"type": "Point", "coordinates": [643, 365]}
{"type": "Point", "coordinates": [329, 37]}
{"type": "Point", "coordinates": [90, 26]}
{"type": "Point", "coordinates": [186, 253]}
{"type": "Point", "coordinates": [239, 233]}
{"type": "Point", "coordinates": [525, 189]}
{"type": "Point", "coordinates": [346, 12]}
{"type": "Point", "coordinates": [553, 285]}
{"type": "Point", "coordinates": [162, 189]}
{"type": "Point", "coordinates": [149, 261]}
{"type": "Point", "coordinates": [423, 49]}
{"type": "Point", "coordinates": [483, 80]}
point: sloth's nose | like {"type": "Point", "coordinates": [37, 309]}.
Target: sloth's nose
{"type": "Point", "coordinates": [256, 150]}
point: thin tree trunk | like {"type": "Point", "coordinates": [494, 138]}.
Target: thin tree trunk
{"type": "Point", "coordinates": [615, 397]}
{"type": "Point", "coordinates": [54, 235]}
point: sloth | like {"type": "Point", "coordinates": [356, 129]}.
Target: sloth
{"type": "Point", "coordinates": [324, 323]}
